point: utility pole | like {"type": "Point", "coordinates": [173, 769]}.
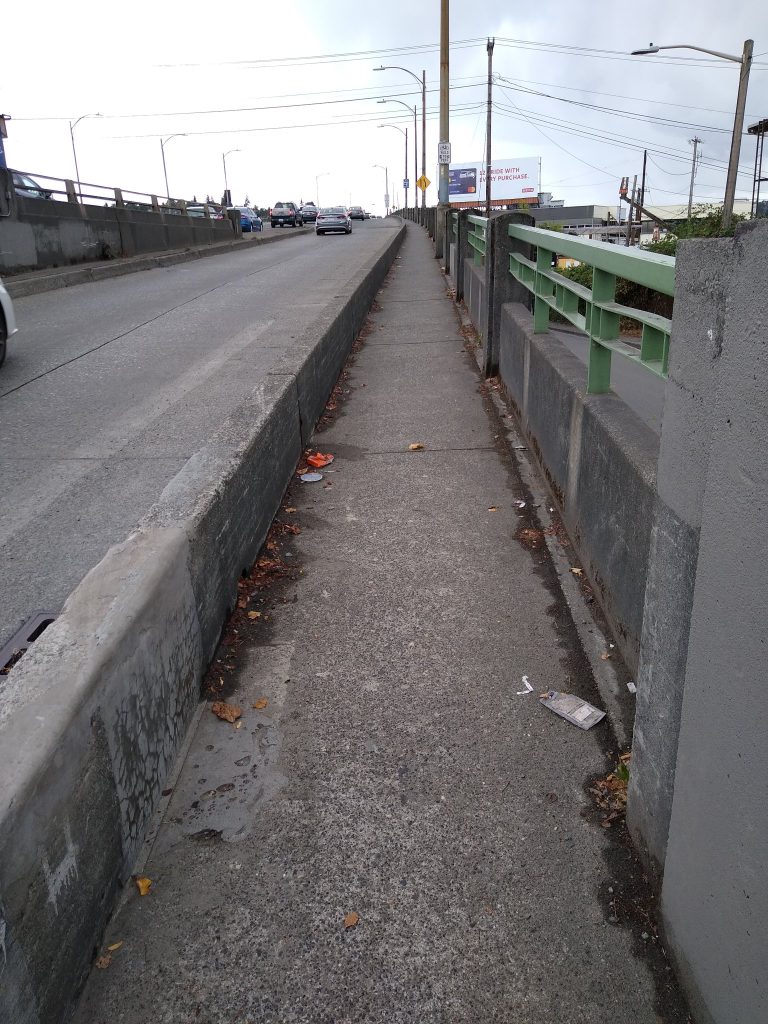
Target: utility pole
{"type": "Point", "coordinates": [695, 140]}
{"type": "Point", "coordinates": [405, 177]}
{"type": "Point", "coordinates": [491, 43]}
{"type": "Point", "coordinates": [738, 128]}
{"type": "Point", "coordinates": [444, 147]}
{"type": "Point", "coordinates": [631, 212]}
{"type": "Point", "coordinates": [423, 135]}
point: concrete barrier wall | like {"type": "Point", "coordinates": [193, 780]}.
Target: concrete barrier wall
{"type": "Point", "coordinates": [94, 713]}
{"type": "Point", "coordinates": [46, 233]}
{"type": "Point", "coordinates": [599, 458]}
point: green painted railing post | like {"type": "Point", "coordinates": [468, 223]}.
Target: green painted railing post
{"type": "Point", "coordinates": [543, 287]}
{"type": "Point", "coordinates": [603, 325]}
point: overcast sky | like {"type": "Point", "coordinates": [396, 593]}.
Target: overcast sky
{"type": "Point", "coordinates": [157, 69]}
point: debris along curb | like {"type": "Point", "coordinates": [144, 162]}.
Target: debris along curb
{"type": "Point", "coordinates": [39, 281]}
{"type": "Point", "coordinates": [101, 702]}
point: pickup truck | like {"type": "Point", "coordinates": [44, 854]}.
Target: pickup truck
{"type": "Point", "coordinates": [286, 213]}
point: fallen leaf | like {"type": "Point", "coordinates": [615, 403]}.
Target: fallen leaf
{"type": "Point", "coordinates": [143, 885]}
{"type": "Point", "coordinates": [605, 655]}
{"type": "Point", "coordinates": [351, 919]}
{"type": "Point", "coordinates": [289, 509]}
{"type": "Point", "coordinates": [114, 946]}
{"type": "Point", "coordinates": [242, 602]}
{"type": "Point", "coordinates": [227, 712]}
{"type": "Point", "coordinates": [415, 447]}
{"type": "Point", "coordinates": [103, 962]}
{"type": "Point", "coordinates": [261, 703]}
{"type": "Point", "coordinates": [577, 572]}
{"type": "Point", "coordinates": [493, 508]}
{"type": "Point", "coordinates": [254, 615]}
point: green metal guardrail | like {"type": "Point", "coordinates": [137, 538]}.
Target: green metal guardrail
{"type": "Point", "coordinates": [602, 314]}
{"type": "Point", "coordinates": [476, 236]}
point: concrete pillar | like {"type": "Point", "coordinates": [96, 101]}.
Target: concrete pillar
{"type": "Point", "coordinates": [500, 286]}
{"type": "Point", "coordinates": [715, 897]}
{"type": "Point", "coordinates": [701, 285]}
{"type": "Point", "coordinates": [69, 187]}
{"type": "Point", "coordinates": [119, 201]}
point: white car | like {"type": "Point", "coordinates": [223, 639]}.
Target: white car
{"type": "Point", "coordinates": [7, 321]}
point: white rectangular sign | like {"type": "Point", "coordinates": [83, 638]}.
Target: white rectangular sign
{"type": "Point", "coordinates": [443, 152]}
{"type": "Point", "coordinates": [511, 180]}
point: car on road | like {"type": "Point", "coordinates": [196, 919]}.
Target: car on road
{"type": "Point", "coordinates": [7, 321]}
{"type": "Point", "coordinates": [333, 218]}
{"type": "Point", "coordinates": [283, 214]}
{"type": "Point", "coordinates": [249, 221]}
{"type": "Point", "coordinates": [23, 185]}
{"type": "Point", "coordinates": [357, 213]}
{"type": "Point", "coordinates": [309, 213]}
{"type": "Point", "coordinates": [198, 210]}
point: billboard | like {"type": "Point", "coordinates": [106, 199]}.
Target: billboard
{"type": "Point", "coordinates": [511, 181]}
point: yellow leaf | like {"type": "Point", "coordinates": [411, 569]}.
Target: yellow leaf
{"type": "Point", "coordinates": [351, 919]}
{"type": "Point", "coordinates": [143, 885]}
{"type": "Point", "coordinates": [261, 703]}
{"type": "Point", "coordinates": [114, 946]}
{"type": "Point", "coordinates": [254, 615]}
{"type": "Point", "coordinates": [227, 712]}
{"type": "Point", "coordinates": [415, 447]}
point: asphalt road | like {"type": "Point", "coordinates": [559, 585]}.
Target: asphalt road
{"type": "Point", "coordinates": [109, 388]}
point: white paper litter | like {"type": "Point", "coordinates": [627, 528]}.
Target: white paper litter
{"type": "Point", "coordinates": [573, 709]}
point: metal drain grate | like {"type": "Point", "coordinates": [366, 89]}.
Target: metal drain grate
{"type": "Point", "coordinates": [22, 638]}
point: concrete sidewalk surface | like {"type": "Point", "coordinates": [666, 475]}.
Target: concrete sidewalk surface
{"type": "Point", "coordinates": [393, 830]}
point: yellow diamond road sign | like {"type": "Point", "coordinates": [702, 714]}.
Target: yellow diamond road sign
{"type": "Point", "coordinates": [423, 183]}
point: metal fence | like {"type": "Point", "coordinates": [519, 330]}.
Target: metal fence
{"type": "Point", "coordinates": [477, 236]}
{"type": "Point", "coordinates": [32, 185]}
{"type": "Point", "coordinates": [594, 310]}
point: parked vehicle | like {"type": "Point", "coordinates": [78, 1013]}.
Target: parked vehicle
{"type": "Point", "coordinates": [25, 186]}
{"type": "Point", "coordinates": [258, 223]}
{"type": "Point", "coordinates": [309, 213]}
{"type": "Point", "coordinates": [283, 214]}
{"type": "Point", "coordinates": [357, 213]}
{"type": "Point", "coordinates": [249, 221]}
{"type": "Point", "coordinates": [333, 218]}
{"type": "Point", "coordinates": [7, 321]}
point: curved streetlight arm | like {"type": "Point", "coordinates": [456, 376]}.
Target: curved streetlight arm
{"type": "Point", "coordinates": [685, 46]}
{"type": "Point", "coordinates": [745, 63]}
{"type": "Point", "coordinates": [396, 67]}
{"type": "Point", "coordinates": [396, 127]}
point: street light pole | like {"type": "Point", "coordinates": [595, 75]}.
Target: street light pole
{"type": "Point", "coordinates": [386, 185]}
{"type": "Point", "coordinates": [224, 156]}
{"type": "Point", "coordinates": [163, 143]}
{"type": "Point", "coordinates": [72, 126]}
{"type": "Point", "coordinates": [738, 122]}
{"type": "Point", "coordinates": [402, 104]}
{"type": "Point", "coordinates": [423, 83]}
{"type": "Point", "coordinates": [403, 131]}
{"type": "Point", "coordinates": [322, 174]}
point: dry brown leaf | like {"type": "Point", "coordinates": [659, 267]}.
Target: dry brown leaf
{"type": "Point", "coordinates": [115, 946]}
{"type": "Point", "coordinates": [577, 572]}
{"type": "Point", "coordinates": [493, 508]}
{"type": "Point", "coordinates": [415, 447]}
{"type": "Point", "coordinates": [261, 703]}
{"type": "Point", "coordinates": [254, 615]}
{"type": "Point", "coordinates": [227, 712]}
{"type": "Point", "coordinates": [103, 962]}
{"type": "Point", "coordinates": [351, 919]}
{"type": "Point", "coordinates": [143, 885]}
{"type": "Point", "coordinates": [605, 655]}
{"type": "Point", "coordinates": [289, 509]}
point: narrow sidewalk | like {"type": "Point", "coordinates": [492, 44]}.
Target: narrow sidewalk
{"type": "Point", "coordinates": [397, 834]}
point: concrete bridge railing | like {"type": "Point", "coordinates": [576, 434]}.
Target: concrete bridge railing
{"type": "Point", "coordinates": [670, 526]}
